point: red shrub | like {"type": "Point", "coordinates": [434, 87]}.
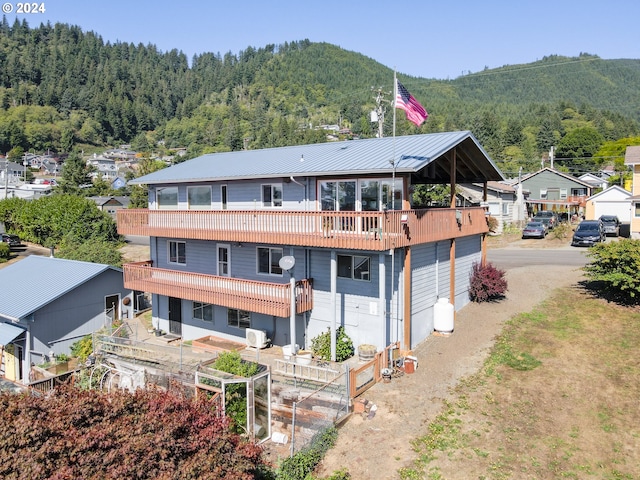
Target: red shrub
{"type": "Point", "coordinates": [487, 283]}
{"type": "Point", "coordinates": [74, 434]}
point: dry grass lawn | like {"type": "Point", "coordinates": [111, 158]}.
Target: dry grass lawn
{"type": "Point", "coordinates": [558, 398]}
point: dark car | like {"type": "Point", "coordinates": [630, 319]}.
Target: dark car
{"type": "Point", "coordinates": [588, 233]}
{"type": "Point", "coordinates": [611, 225]}
{"type": "Point", "coordinates": [552, 216]}
{"type": "Point", "coordinates": [11, 240]}
{"type": "Point", "coordinates": [534, 230]}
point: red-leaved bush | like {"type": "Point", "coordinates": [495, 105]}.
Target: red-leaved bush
{"type": "Point", "coordinates": [151, 434]}
{"type": "Point", "coordinates": [487, 283]}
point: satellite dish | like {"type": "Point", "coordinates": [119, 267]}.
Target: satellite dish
{"type": "Point", "coordinates": [287, 263]}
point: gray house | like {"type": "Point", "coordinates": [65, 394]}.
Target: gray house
{"type": "Point", "coordinates": [550, 189]}
{"type": "Point", "coordinates": [287, 243]}
{"type": "Point", "coordinates": [47, 304]}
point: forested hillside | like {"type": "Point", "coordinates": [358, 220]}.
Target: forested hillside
{"type": "Point", "coordinates": [62, 89]}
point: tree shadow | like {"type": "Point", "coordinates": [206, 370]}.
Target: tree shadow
{"type": "Point", "coordinates": [605, 291]}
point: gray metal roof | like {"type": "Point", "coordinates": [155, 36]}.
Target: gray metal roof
{"type": "Point", "coordinates": [411, 153]}
{"type": "Point", "coordinates": [36, 281]}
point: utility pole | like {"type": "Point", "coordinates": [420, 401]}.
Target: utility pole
{"type": "Point", "coordinates": [377, 115]}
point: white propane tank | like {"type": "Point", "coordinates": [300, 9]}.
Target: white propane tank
{"type": "Point", "coordinates": [443, 316]}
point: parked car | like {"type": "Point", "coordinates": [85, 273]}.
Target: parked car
{"type": "Point", "coordinates": [588, 233]}
{"type": "Point", "coordinates": [611, 225]}
{"type": "Point", "coordinates": [11, 240]}
{"type": "Point", "coordinates": [534, 230]}
{"type": "Point", "coordinates": [546, 221]}
{"type": "Point", "coordinates": [552, 216]}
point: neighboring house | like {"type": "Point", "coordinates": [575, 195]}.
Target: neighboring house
{"type": "Point", "coordinates": [11, 172]}
{"type": "Point", "coordinates": [595, 181]}
{"type": "Point", "coordinates": [105, 168]}
{"type": "Point", "coordinates": [118, 183]}
{"type": "Point", "coordinates": [632, 158]}
{"type": "Point", "coordinates": [111, 205]}
{"type": "Point", "coordinates": [48, 304]}
{"type": "Point", "coordinates": [220, 224]}
{"type": "Point", "coordinates": [501, 201]}
{"type": "Point", "coordinates": [550, 189]}
{"type": "Point", "coordinates": [612, 201]}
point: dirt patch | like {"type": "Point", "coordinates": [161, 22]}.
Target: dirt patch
{"type": "Point", "coordinates": [379, 447]}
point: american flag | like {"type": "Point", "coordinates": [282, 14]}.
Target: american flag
{"type": "Point", "coordinates": [405, 101]}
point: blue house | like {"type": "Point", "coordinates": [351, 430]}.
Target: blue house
{"type": "Point", "coordinates": [48, 304]}
{"type": "Point", "coordinates": [287, 243]}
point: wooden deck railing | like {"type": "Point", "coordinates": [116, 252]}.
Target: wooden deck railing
{"type": "Point", "coordinates": [350, 230]}
{"type": "Point", "coordinates": [260, 297]}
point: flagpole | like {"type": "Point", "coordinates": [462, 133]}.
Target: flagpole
{"type": "Point", "coordinates": [393, 208]}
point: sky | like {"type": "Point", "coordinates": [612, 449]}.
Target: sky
{"type": "Point", "coordinates": [418, 38]}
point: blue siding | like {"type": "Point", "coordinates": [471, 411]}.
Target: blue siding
{"type": "Point", "coordinates": [468, 252]}
{"type": "Point", "coordinates": [247, 195]}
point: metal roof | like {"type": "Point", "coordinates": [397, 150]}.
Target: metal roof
{"type": "Point", "coordinates": [411, 153]}
{"type": "Point", "coordinates": [36, 281]}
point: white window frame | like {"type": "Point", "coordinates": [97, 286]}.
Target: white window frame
{"type": "Point", "coordinates": [175, 259]}
{"type": "Point", "coordinates": [543, 193]}
{"type": "Point", "coordinates": [199, 310]}
{"type": "Point", "coordinates": [204, 206]}
{"type": "Point", "coordinates": [273, 269]}
{"type": "Point", "coordinates": [563, 193]}
{"type": "Point", "coordinates": [355, 263]}
{"type": "Point", "coordinates": [220, 262]}
{"type": "Point", "coordinates": [238, 318]}
{"type": "Point", "coordinates": [273, 189]}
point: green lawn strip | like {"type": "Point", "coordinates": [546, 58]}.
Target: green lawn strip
{"type": "Point", "coordinates": [496, 428]}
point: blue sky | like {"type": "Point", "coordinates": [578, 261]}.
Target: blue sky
{"type": "Point", "coordinates": [420, 38]}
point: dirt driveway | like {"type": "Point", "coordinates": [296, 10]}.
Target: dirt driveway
{"type": "Point", "coordinates": [378, 447]}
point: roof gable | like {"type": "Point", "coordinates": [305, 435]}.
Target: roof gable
{"type": "Point", "coordinates": [550, 173]}
{"type": "Point", "coordinates": [614, 192]}
{"type": "Point", "coordinates": [632, 155]}
{"type": "Point", "coordinates": [430, 158]}
{"type": "Point", "coordinates": [36, 281]}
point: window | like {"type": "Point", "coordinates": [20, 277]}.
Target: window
{"type": "Point", "coordinates": [223, 196]}
{"type": "Point", "coordinates": [238, 318]}
{"type": "Point", "coordinates": [355, 267]}
{"type": "Point", "coordinates": [505, 208]}
{"type": "Point", "coordinates": [177, 252]}
{"type": "Point", "coordinates": [543, 193]}
{"type": "Point", "coordinates": [563, 193]}
{"type": "Point", "coordinates": [637, 210]}
{"type": "Point", "coordinates": [272, 195]}
{"type": "Point", "coordinates": [390, 202]}
{"type": "Point", "coordinates": [167, 197]}
{"type": "Point", "coordinates": [223, 260]}
{"type": "Point", "coordinates": [269, 260]}
{"type": "Point", "coordinates": [203, 311]}
{"type": "Point", "coordinates": [199, 197]}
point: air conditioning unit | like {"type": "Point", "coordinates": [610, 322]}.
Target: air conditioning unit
{"type": "Point", "coordinates": [256, 338]}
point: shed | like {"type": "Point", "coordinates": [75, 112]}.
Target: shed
{"type": "Point", "coordinates": [48, 304]}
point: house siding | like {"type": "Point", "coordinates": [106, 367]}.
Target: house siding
{"type": "Point", "coordinates": [53, 327]}
{"type": "Point", "coordinates": [468, 252]}
{"type": "Point", "coordinates": [247, 195]}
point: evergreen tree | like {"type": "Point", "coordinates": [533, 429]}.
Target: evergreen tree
{"type": "Point", "coordinates": [76, 174]}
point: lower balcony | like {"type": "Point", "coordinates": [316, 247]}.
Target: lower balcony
{"type": "Point", "coordinates": [260, 297]}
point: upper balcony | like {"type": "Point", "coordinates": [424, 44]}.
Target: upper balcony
{"type": "Point", "coordinates": [376, 231]}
